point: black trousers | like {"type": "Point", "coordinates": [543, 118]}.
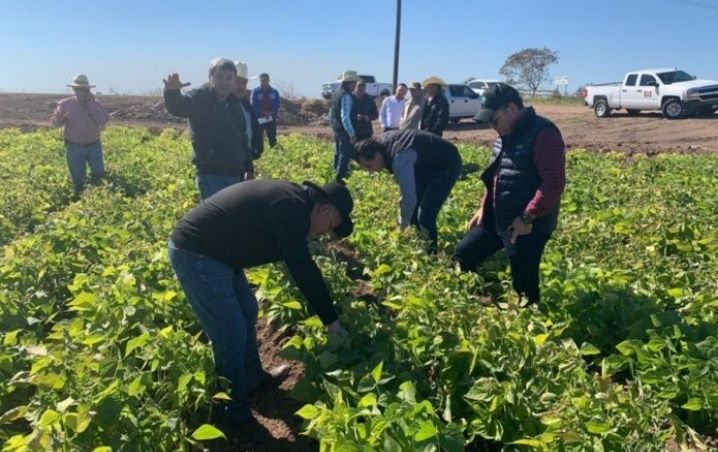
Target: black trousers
{"type": "Point", "coordinates": [271, 130]}
{"type": "Point", "coordinates": [482, 242]}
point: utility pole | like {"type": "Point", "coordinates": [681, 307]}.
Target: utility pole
{"type": "Point", "coordinates": [396, 44]}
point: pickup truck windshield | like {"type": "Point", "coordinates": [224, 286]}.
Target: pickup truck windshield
{"type": "Point", "coordinates": [674, 77]}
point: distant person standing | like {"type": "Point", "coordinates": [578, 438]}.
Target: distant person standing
{"type": "Point", "coordinates": [366, 111]}
{"type": "Point", "coordinates": [254, 132]}
{"type": "Point", "coordinates": [83, 118]}
{"type": "Point", "coordinates": [265, 100]}
{"type": "Point", "coordinates": [342, 118]}
{"type": "Point", "coordinates": [392, 108]}
{"type": "Point", "coordinates": [436, 113]}
{"type": "Point", "coordinates": [414, 109]}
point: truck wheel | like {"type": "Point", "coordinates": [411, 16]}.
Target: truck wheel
{"type": "Point", "coordinates": [632, 112]}
{"type": "Point", "coordinates": [672, 109]}
{"type": "Point", "coordinates": [601, 108]}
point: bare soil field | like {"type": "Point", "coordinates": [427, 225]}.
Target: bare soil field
{"type": "Point", "coordinates": [646, 133]}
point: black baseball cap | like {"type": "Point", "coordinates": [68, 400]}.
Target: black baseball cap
{"type": "Point", "coordinates": [494, 98]}
{"type": "Point", "coordinates": [340, 197]}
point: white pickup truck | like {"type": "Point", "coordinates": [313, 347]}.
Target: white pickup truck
{"type": "Point", "coordinates": [372, 87]}
{"type": "Point", "coordinates": [463, 101]}
{"type": "Point", "coordinates": [673, 92]}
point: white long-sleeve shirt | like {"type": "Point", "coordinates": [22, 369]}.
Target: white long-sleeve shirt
{"type": "Point", "coordinates": [390, 113]}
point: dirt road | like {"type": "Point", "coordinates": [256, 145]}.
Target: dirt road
{"type": "Point", "coordinates": [648, 132]}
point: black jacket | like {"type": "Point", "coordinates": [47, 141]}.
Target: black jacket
{"type": "Point", "coordinates": [365, 106]}
{"type": "Point", "coordinates": [436, 115]}
{"type": "Point", "coordinates": [217, 131]}
{"type": "Point", "coordinates": [255, 223]}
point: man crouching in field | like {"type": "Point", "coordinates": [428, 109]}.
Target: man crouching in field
{"type": "Point", "coordinates": [243, 226]}
{"type": "Point", "coordinates": [524, 182]}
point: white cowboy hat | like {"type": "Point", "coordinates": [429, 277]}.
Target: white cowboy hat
{"type": "Point", "coordinates": [242, 70]}
{"type": "Point", "coordinates": [80, 81]}
{"type": "Point", "coordinates": [350, 76]}
{"type": "Point", "coordinates": [433, 80]}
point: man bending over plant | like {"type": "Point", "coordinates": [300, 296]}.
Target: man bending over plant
{"type": "Point", "coordinates": [426, 167]}
{"type": "Point", "coordinates": [243, 226]}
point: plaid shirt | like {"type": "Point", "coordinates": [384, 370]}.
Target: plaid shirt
{"type": "Point", "coordinates": [550, 161]}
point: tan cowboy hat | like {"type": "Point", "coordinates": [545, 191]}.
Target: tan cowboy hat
{"type": "Point", "coordinates": [433, 80]}
{"type": "Point", "coordinates": [350, 76]}
{"type": "Point", "coordinates": [242, 70]}
{"type": "Point", "coordinates": [80, 81]}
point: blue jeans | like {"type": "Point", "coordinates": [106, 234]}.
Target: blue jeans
{"type": "Point", "coordinates": [481, 242]}
{"type": "Point", "coordinates": [210, 184]}
{"type": "Point", "coordinates": [432, 193]}
{"type": "Point", "coordinates": [78, 157]}
{"type": "Point", "coordinates": [342, 154]}
{"type": "Point", "coordinates": [227, 310]}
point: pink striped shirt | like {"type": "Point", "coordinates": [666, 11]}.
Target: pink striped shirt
{"type": "Point", "coordinates": [82, 123]}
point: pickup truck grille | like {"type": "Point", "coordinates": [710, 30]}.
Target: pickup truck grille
{"type": "Point", "coordinates": [708, 93]}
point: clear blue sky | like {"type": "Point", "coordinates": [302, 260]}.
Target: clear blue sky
{"type": "Point", "coordinates": [130, 45]}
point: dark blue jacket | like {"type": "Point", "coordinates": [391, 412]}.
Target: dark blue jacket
{"type": "Point", "coordinates": [257, 101]}
{"type": "Point", "coordinates": [518, 178]}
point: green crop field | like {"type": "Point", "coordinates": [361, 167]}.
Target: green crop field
{"type": "Point", "coordinates": [100, 350]}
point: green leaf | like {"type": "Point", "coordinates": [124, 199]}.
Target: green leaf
{"type": "Point", "coordinates": [675, 292]}
{"type": "Point", "coordinates": [293, 305]}
{"type": "Point", "coordinates": [221, 396]}
{"type": "Point", "coordinates": [451, 439]}
{"type": "Point", "coordinates": [527, 442]}
{"type": "Point", "coordinates": [10, 338]}
{"type": "Point", "coordinates": [308, 412]}
{"type": "Point", "coordinates": [207, 432]}
{"type": "Point", "coordinates": [597, 427]}
{"type": "Point", "coordinates": [368, 401]}
{"type": "Point", "coordinates": [83, 301]}
{"type": "Point", "coordinates": [138, 341]}
{"type": "Point", "coordinates": [376, 372]}
{"type": "Point", "coordinates": [136, 387]}
{"type": "Point", "coordinates": [427, 430]}
{"type": "Point", "coordinates": [539, 339]}
{"type": "Point", "coordinates": [628, 348]}
{"type": "Point", "coordinates": [588, 349]}
{"type": "Point", "coordinates": [292, 350]}
{"type": "Point", "coordinates": [102, 449]}
{"type": "Point", "coordinates": [62, 406]}
{"type": "Point", "coordinates": [48, 418]}
{"type": "Point", "coordinates": [693, 404]}
{"type": "Point", "coordinates": [13, 414]}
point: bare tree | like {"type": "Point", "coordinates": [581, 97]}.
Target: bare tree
{"type": "Point", "coordinates": [286, 90]}
{"type": "Point", "coordinates": [468, 80]}
{"type": "Point", "coordinates": [529, 68]}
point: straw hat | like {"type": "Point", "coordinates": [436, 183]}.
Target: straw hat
{"type": "Point", "coordinates": [350, 76]}
{"type": "Point", "coordinates": [80, 81]}
{"type": "Point", "coordinates": [433, 80]}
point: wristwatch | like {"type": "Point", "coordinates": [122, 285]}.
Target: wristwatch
{"type": "Point", "coordinates": [527, 219]}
